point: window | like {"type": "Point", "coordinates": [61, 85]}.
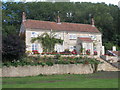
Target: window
{"type": "Point", "coordinates": [74, 47]}
{"type": "Point", "coordinates": [84, 36]}
{"type": "Point", "coordinates": [93, 37]}
{"type": "Point", "coordinates": [72, 36]}
{"type": "Point", "coordinates": [34, 47]}
{"type": "Point", "coordinates": [58, 36]}
{"type": "Point", "coordinates": [34, 34]}
{"type": "Point", "coordinates": [71, 48]}
{"type": "Point", "coordinates": [94, 48]}
{"type": "Point", "coordinates": [88, 46]}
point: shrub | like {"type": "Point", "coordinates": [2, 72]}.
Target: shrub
{"type": "Point", "coordinates": [34, 61]}
{"type": "Point", "coordinates": [35, 52]}
{"type": "Point", "coordinates": [88, 52]}
{"type": "Point", "coordinates": [57, 56]}
{"type": "Point", "coordinates": [49, 63]}
{"type": "Point", "coordinates": [74, 52]}
{"type": "Point", "coordinates": [72, 62]}
{"type": "Point", "coordinates": [28, 52]}
{"type": "Point", "coordinates": [6, 64]}
{"type": "Point", "coordinates": [43, 64]}
{"type": "Point", "coordinates": [66, 50]}
{"type": "Point", "coordinates": [63, 62]}
{"type": "Point", "coordinates": [95, 52]}
{"type": "Point", "coordinates": [13, 48]}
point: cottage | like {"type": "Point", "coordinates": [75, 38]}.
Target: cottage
{"type": "Point", "coordinates": [75, 36]}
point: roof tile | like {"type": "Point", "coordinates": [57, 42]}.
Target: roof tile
{"type": "Point", "coordinates": [47, 25]}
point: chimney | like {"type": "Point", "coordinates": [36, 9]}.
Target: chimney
{"type": "Point", "coordinates": [23, 17]}
{"type": "Point", "coordinates": [93, 22]}
{"type": "Point", "coordinates": [58, 19]}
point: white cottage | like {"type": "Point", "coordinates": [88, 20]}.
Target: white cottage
{"type": "Point", "coordinates": [75, 36]}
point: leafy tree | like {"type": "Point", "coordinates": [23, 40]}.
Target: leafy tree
{"type": "Point", "coordinates": [107, 17]}
{"type": "Point", "coordinates": [108, 45]}
{"type": "Point", "coordinates": [13, 47]}
{"type": "Point", "coordinates": [48, 41]}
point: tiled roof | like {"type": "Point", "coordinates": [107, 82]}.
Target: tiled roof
{"type": "Point", "coordinates": [47, 25]}
{"type": "Point", "coordinates": [85, 39]}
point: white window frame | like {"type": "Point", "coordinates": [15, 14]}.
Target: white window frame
{"type": "Point", "coordinates": [34, 34]}
{"type": "Point", "coordinates": [72, 36]}
{"type": "Point", "coordinates": [58, 36]}
{"type": "Point", "coordinates": [88, 46]}
{"type": "Point", "coordinates": [34, 46]}
{"type": "Point", "coordinates": [71, 48]}
{"type": "Point", "coordinates": [84, 36]}
{"type": "Point", "coordinates": [93, 37]}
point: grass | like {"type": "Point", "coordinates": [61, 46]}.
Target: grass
{"type": "Point", "coordinates": [96, 80]}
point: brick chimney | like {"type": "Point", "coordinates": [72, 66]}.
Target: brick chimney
{"type": "Point", "coordinates": [23, 17]}
{"type": "Point", "coordinates": [92, 22]}
{"type": "Point", "coordinates": [58, 19]}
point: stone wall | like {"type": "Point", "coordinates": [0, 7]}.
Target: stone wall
{"type": "Point", "coordinates": [22, 71]}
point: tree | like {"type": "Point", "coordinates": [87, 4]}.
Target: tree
{"type": "Point", "coordinates": [48, 41]}
{"type": "Point", "coordinates": [107, 17]}
{"type": "Point", "coordinates": [13, 48]}
{"type": "Point", "coordinates": [108, 45]}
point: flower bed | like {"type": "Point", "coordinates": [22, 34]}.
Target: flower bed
{"type": "Point", "coordinates": [55, 53]}
{"type": "Point", "coordinates": [57, 59]}
{"type": "Point", "coordinates": [35, 52]}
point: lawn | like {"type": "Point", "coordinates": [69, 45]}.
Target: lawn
{"type": "Point", "coordinates": [96, 80]}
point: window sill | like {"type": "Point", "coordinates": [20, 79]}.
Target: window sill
{"type": "Point", "coordinates": [72, 39]}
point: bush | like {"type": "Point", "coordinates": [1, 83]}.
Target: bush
{"type": "Point", "coordinates": [95, 52]}
{"type": "Point", "coordinates": [49, 63]}
{"type": "Point", "coordinates": [63, 62]}
{"type": "Point", "coordinates": [35, 52]}
{"type": "Point", "coordinates": [51, 60]}
{"type": "Point", "coordinates": [13, 48]}
{"type": "Point", "coordinates": [88, 52]}
{"type": "Point", "coordinates": [57, 56]}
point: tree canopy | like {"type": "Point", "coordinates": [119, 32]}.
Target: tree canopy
{"type": "Point", "coordinates": [107, 17]}
{"type": "Point", "coordinates": [13, 48]}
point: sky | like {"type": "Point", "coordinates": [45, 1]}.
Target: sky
{"type": "Point", "coordinates": [115, 2]}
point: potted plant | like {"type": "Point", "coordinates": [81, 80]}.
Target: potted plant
{"type": "Point", "coordinates": [88, 52]}
{"type": "Point", "coordinates": [95, 52]}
